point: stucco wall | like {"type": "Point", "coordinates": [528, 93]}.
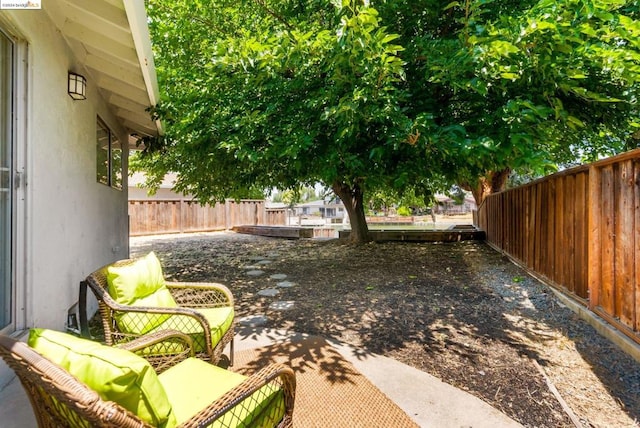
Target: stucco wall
{"type": "Point", "coordinates": [72, 224]}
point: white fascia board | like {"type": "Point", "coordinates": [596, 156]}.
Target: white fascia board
{"type": "Point", "coordinates": [137, 16]}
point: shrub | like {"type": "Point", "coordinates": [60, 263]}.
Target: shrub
{"type": "Point", "coordinates": [404, 211]}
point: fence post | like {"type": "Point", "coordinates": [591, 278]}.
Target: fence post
{"type": "Point", "coordinates": [255, 214]}
{"type": "Point", "coordinates": [227, 212]}
{"type": "Point", "coordinates": [181, 212]}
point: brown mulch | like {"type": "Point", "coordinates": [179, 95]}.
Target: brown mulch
{"type": "Point", "coordinates": [461, 312]}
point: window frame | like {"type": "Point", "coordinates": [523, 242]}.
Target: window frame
{"type": "Point", "coordinates": [109, 169]}
{"type": "Point", "coordinates": [17, 122]}
{"type": "Point", "coordinates": [7, 170]}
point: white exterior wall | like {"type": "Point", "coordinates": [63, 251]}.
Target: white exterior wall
{"type": "Point", "coordinates": [71, 224]}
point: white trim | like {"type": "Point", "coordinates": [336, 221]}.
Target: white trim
{"type": "Point", "coordinates": [137, 16]}
{"type": "Point", "coordinates": [22, 284]}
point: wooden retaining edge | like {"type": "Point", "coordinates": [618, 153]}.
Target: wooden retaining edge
{"type": "Point", "coordinates": [290, 232]}
{"type": "Point", "coordinates": [293, 232]}
{"type": "Point", "coordinates": [450, 235]}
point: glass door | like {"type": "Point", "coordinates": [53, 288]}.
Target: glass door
{"type": "Point", "coordinates": [6, 181]}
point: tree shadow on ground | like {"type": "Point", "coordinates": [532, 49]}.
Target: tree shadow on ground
{"type": "Point", "coordinates": [455, 311]}
{"type": "Point", "coordinates": [310, 354]}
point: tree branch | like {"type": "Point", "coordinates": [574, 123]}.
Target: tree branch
{"type": "Point", "coordinates": [277, 17]}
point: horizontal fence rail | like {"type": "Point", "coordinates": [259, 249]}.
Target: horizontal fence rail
{"type": "Point", "coordinates": [580, 231]}
{"type": "Point", "coordinates": [155, 216]}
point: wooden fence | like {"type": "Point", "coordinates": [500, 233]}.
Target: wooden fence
{"type": "Point", "coordinates": [579, 230]}
{"type": "Point", "coordinates": [154, 216]}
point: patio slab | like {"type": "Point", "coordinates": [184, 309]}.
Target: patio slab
{"type": "Point", "coordinates": [426, 399]}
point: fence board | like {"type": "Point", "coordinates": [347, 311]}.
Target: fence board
{"type": "Point", "coordinates": [531, 229]}
{"type": "Point", "coordinates": [595, 237]}
{"type": "Point", "coordinates": [607, 278]}
{"type": "Point", "coordinates": [636, 234]}
{"type": "Point", "coordinates": [624, 243]}
{"type": "Point", "coordinates": [562, 240]}
{"type": "Point", "coordinates": [551, 230]}
{"type": "Point", "coordinates": [537, 234]}
{"type": "Point", "coordinates": [580, 226]}
{"type": "Point", "coordinates": [568, 227]}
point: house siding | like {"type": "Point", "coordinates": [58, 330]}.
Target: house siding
{"type": "Point", "coordinates": [67, 224]}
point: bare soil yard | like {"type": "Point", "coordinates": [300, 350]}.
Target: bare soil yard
{"type": "Point", "coordinates": [461, 312]}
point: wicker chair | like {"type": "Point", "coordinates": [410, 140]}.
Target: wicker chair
{"type": "Point", "coordinates": [59, 399]}
{"type": "Point", "coordinates": [193, 300]}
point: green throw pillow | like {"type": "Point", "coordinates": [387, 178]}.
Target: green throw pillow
{"type": "Point", "coordinates": [115, 374]}
{"type": "Point", "coordinates": [140, 283]}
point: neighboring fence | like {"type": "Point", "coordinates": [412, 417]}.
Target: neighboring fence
{"type": "Point", "coordinates": [148, 217]}
{"type": "Point", "coordinates": [580, 230]}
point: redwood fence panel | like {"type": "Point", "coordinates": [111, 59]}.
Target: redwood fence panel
{"type": "Point", "coordinates": [580, 231]}
{"type": "Point", "coordinates": [155, 216]}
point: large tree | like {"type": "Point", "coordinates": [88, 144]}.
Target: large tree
{"type": "Point", "coordinates": [409, 94]}
{"type": "Point", "coordinates": [275, 95]}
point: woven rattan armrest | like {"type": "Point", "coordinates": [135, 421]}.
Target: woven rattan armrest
{"type": "Point", "coordinates": [200, 294]}
{"type": "Point", "coordinates": [163, 349]}
{"type": "Point", "coordinates": [186, 312]}
{"type": "Point", "coordinates": [276, 372]}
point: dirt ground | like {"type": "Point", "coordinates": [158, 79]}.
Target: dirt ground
{"type": "Point", "coordinates": [461, 312]}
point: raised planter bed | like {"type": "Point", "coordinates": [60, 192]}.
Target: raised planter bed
{"type": "Point", "coordinates": [450, 235]}
{"type": "Point", "coordinates": [291, 232]}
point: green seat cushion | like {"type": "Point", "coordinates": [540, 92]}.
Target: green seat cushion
{"type": "Point", "coordinates": [220, 320]}
{"type": "Point", "coordinates": [115, 374]}
{"type": "Point", "coordinates": [193, 384]}
{"type": "Point", "coordinates": [140, 283]}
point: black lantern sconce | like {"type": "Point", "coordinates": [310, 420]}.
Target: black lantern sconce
{"type": "Point", "coordinates": [77, 86]}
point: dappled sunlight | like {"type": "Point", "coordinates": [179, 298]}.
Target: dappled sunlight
{"type": "Point", "coordinates": [460, 312]}
{"type": "Point", "coordinates": [312, 354]}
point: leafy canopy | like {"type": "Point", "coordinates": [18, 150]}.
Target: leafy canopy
{"type": "Point", "coordinates": [388, 95]}
{"type": "Point", "coordinates": [278, 95]}
{"type": "Point", "coordinates": [522, 84]}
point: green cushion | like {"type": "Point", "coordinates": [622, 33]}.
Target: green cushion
{"type": "Point", "coordinates": [115, 374]}
{"type": "Point", "coordinates": [140, 283]}
{"type": "Point", "coordinates": [193, 384]}
{"type": "Point", "coordinates": [220, 320]}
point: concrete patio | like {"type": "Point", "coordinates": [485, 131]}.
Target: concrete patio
{"type": "Point", "coordinates": [427, 400]}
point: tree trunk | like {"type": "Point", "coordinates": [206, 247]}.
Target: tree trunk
{"type": "Point", "coordinates": [491, 182]}
{"type": "Point", "coordinates": [352, 198]}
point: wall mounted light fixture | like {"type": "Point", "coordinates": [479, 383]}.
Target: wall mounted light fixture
{"type": "Point", "coordinates": [77, 86]}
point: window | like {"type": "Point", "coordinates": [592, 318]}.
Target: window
{"type": "Point", "coordinates": [6, 181]}
{"type": "Point", "coordinates": [108, 157]}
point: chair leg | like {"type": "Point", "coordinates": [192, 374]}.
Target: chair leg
{"type": "Point", "coordinates": [231, 347]}
{"type": "Point", "coordinates": [82, 311]}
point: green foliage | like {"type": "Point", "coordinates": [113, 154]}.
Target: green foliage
{"type": "Point", "coordinates": [403, 211]}
{"type": "Point", "coordinates": [522, 84]}
{"type": "Point", "coordinates": [295, 196]}
{"type": "Point", "coordinates": [457, 194]}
